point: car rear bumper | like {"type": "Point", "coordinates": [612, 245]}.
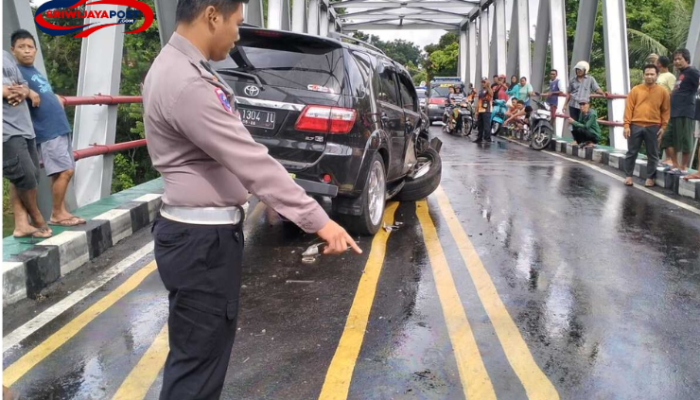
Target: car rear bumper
{"type": "Point", "coordinates": [435, 114]}
{"type": "Point", "coordinates": [317, 188]}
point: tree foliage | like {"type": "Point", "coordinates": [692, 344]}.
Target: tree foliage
{"type": "Point", "coordinates": [399, 50]}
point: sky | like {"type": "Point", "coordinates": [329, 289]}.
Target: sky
{"type": "Point", "coordinates": [421, 37]}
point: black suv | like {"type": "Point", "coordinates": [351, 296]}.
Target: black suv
{"type": "Point", "coordinates": [340, 116]}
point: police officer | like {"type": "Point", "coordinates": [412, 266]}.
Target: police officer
{"type": "Point", "coordinates": [209, 162]}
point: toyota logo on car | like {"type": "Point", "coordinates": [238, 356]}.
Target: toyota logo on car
{"type": "Point", "coordinates": [251, 90]}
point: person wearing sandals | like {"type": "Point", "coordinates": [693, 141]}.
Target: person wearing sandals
{"type": "Point", "coordinates": [586, 131]}
{"type": "Point", "coordinates": [20, 164]}
{"type": "Point", "coordinates": [53, 133]}
{"type": "Point", "coordinates": [678, 137]}
{"type": "Point", "coordinates": [647, 112]}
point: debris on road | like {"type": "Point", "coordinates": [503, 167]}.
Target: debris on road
{"type": "Point", "coordinates": [297, 281]}
{"type": "Point", "coordinates": [391, 228]}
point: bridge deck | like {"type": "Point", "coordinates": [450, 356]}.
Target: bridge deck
{"type": "Point", "coordinates": [525, 276]}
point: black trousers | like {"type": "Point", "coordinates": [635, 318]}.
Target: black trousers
{"type": "Point", "coordinates": [484, 126]}
{"type": "Point", "coordinates": [574, 113]}
{"type": "Point", "coordinates": [582, 136]}
{"type": "Point", "coordinates": [200, 266]}
{"type": "Point", "coordinates": [639, 134]}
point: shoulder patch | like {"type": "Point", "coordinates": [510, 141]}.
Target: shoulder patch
{"type": "Point", "coordinates": [223, 99]}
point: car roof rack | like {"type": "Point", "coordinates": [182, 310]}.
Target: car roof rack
{"type": "Point", "coordinates": [340, 37]}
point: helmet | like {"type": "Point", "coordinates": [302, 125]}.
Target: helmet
{"type": "Point", "coordinates": [583, 66]}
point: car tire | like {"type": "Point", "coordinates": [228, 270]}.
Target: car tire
{"type": "Point", "coordinates": [415, 189]}
{"type": "Point", "coordinates": [373, 201]}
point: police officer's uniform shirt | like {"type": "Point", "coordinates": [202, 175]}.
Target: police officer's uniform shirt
{"type": "Point", "coordinates": [198, 143]}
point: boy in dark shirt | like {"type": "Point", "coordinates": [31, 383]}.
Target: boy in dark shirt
{"type": "Point", "coordinates": [678, 136]}
{"type": "Point", "coordinates": [51, 127]}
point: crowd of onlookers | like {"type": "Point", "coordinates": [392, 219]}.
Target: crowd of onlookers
{"type": "Point", "coordinates": [662, 112]}
{"type": "Point", "coordinates": [35, 131]}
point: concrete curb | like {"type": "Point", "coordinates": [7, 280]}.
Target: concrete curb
{"type": "Point", "coordinates": [615, 159]}
{"type": "Point", "coordinates": [27, 273]}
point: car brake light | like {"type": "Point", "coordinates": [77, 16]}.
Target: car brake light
{"type": "Point", "coordinates": [324, 119]}
{"type": "Point", "coordinates": [267, 33]}
{"type": "Point", "coordinates": [436, 101]}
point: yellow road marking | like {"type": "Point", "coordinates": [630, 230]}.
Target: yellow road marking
{"type": "Point", "coordinates": [340, 371]}
{"type": "Point", "coordinates": [20, 367]}
{"type": "Point", "coordinates": [472, 371]}
{"type": "Point", "coordinates": [537, 385]}
{"type": "Point", "coordinates": [140, 379]}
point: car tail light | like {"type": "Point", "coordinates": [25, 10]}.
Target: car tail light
{"type": "Point", "coordinates": [267, 33]}
{"type": "Point", "coordinates": [326, 178]}
{"type": "Point", "coordinates": [324, 119]}
{"type": "Point", "coordinates": [436, 101]}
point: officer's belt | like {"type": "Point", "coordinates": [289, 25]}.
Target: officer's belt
{"type": "Point", "coordinates": [203, 215]}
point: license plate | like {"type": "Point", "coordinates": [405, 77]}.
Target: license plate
{"type": "Point", "coordinates": [257, 118]}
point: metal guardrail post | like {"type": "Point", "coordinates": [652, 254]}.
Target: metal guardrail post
{"type": "Point", "coordinates": [278, 14]}
{"type": "Point", "coordinates": [165, 15]}
{"type": "Point", "coordinates": [524, 38]}
{"type": "Point", "coordinates": [100, 72]}
{"type": "Point", "coordinates": [560, 53]}
{"type": "Point", "coordinates": [512, 64]}
{"type": "Point", "coordinates": [299, 16]}
{"type": "Point", "coordinates": [472, 49]}
{"type": "Point", "coordinates": [253, 13]}
{"type": "Point", "coordinates": [499, 17]}
{"type": "Point", "coordinates": [539, 58]}
{"type": "Point", "coordinates": [313, 20]}
{"type": "Point", "coordinates": [616, 65]}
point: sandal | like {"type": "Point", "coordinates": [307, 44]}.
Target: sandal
{"type": "Point", "coordinates": [72, 221]}
{"type": "Point", "coordinates": [36, 234]}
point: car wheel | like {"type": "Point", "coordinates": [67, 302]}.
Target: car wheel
{"type": "Point", "coordinates": [373, 202]}
{"type": "Point", "coordinates": [427, 178]}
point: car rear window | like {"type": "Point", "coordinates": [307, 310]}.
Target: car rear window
{"type": "Point", "coordinates": [439, 91]}
{"type": "Point", "coordinates": [288, 62]}
{"type": "Point", "coordinates": [421, 94]}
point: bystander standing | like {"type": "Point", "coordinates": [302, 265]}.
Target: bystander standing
{"type": "Point", "coordinates": [647, 112]}
{"type": "Point", "coordinates": [580, 88]}
{"type": "Point", "coordinates": [20, 164]}
{"type": "Point", "coordinates": [53, 133]}
{"type": "Point", "coordinates": [678, 138]}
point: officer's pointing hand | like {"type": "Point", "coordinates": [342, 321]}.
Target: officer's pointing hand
{"type": "Point", "coordinates": [337, 239]}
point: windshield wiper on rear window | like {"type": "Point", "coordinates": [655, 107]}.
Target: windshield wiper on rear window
{"type": "Point", "coordinates": [243, 74]}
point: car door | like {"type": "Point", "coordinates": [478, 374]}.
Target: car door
{"type": "Point", "coordinates": [391, 116]}
{"type": "Point", "coordinates": [412, 119]}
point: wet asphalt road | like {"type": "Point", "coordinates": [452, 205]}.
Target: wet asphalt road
{"type": "Point", "coordinates": [526, 276]}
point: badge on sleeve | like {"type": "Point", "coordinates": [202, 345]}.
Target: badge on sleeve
{"type": "Point", "coordinates": [223, 99]}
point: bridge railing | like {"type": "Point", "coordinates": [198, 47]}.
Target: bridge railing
{"type": "Point", "coordinates": [101, 149]}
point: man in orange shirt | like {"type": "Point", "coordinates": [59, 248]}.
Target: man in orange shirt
{"type": "Point", "coordinates": [646, 115]}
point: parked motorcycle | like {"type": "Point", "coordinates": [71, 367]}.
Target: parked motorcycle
{"type": "Point", "coordinates": [498, 116]}
{"type": "Point", "coordinates": [541, 129]}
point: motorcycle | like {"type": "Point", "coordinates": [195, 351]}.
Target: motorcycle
{"type": "Point", "coordinates": [541, 129]}
{"type": "Point", "coordinates": [465, 113]}
{"type": "Point", "coordinates": [498, 116]}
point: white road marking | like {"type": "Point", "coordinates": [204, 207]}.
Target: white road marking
{"type": "Point", "coordinates": [621, 179]}
{"type": "Point", "coordinates": [15, 337]}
